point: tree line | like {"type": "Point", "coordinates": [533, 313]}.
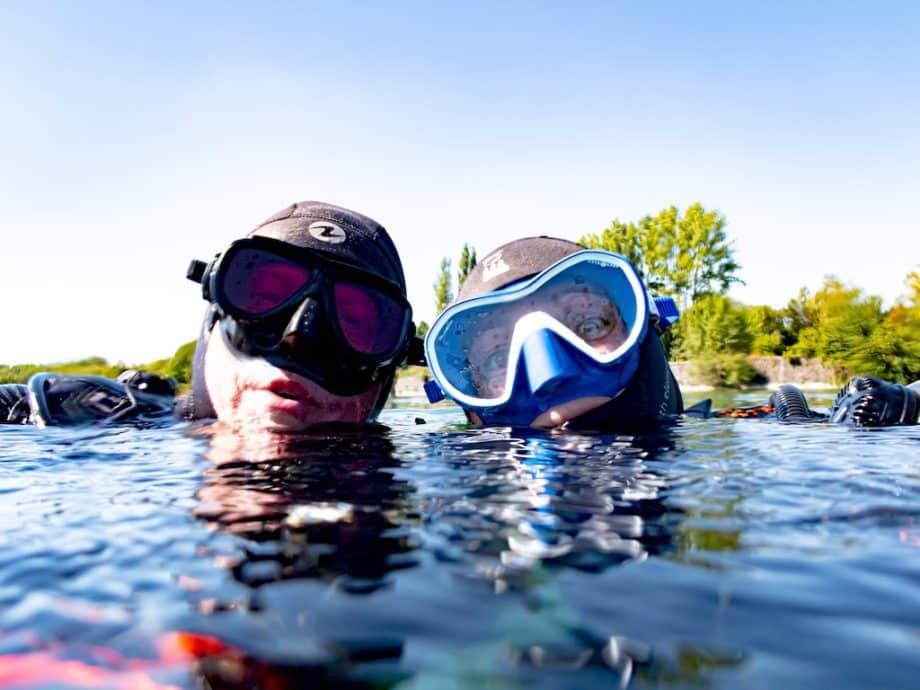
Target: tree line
{"type": "Point", "coordinates": [687, 255]}
{"type": "Point", "coordinates": [179, 367]}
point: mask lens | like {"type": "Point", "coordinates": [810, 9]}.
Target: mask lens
{"type": "Point", "coordinates": [256, 282]}
{"type": "Point", "coordinates": [591, 303]}
{"type": "Point", "coordinates": [370, 321]}
{"type": "Point", "coordinates": [488, 355]}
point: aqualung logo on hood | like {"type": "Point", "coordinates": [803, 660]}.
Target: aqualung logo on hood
{"type": "Point", "coordinates": [494, 266]}
{"type": "Point", "coordinates": [324, 231]}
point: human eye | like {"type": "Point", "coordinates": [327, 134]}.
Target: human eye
{"type": "Point", "coordinates": [489, 375]}
{"type": "Point", "coordinates": [593, 328]}
{"type": "Point", "coordinates": [495, 363]}
{"type": "Point", "coordinates": [593, 318]}
{"type": "Point", "coordinates": [488, 360]}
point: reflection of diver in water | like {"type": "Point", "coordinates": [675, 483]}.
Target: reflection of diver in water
{"type": "Point", "coordinates": [518, 509]}
{"type": "Point", "coordinates": [581, 501]}
{"type": "Point", "coordinates": [330, 528]}
{"type": "Point", "coordinates": [326, 501]}
{"type": "Point", "coordinates": [311, 512]}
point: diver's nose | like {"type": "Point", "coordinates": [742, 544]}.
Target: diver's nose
{"type": "Point", "coordinates": [305, 324]}
{"type": "Point", "coordinates": [548, 363]}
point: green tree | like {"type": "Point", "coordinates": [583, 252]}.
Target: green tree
{"type": "Point", "coordinates": [827, 322]}
{"type": "Point", "coordinates": [799, 314]}
{"type": "Point", "coordinates": [443, 292]}
{"type": "Point", "coordinates": [713, 334]}
{"type": "Point", "coordinates": [893, 349]}
{"type": "Point", "coordinates": [443, 284]}
{"type": "Point", "coordinates": [682, 255]}
{"type": "Point", "coordinates": [713, 325]}
{"type": "Point", "coordinates": [180, 365]}
{"type": "Point", "coordinates": [913, 284]}
{"type": "Point", "coordinates": [467, 264]}
{"type": "Point", "coordinates": [892, 352]}
{"type": "Point", "coordinates": [849, 330]}
{"type": "Point", "coordinates": [768, 331]}
{"type": "Point", "coordinates": [422, 329]}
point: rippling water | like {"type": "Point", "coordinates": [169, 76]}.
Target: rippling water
{"type": "Point", "coordinates": [723, 553]}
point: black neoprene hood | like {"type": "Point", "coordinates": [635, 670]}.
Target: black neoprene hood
{"type": "Point", "coordinates": [515, 261]}
{"type": "Point", "coordinates": [340, 234]}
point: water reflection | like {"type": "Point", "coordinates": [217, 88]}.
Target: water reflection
{"type": "Point", "coordinates": [323, 506]}
{"type": "Point", "coordinates": [515, 502]}
{"type": "Point", "coordinates": [366, 559]}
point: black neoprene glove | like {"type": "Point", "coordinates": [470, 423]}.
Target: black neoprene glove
{"type": "Point", "coordinates": [14, 404]}
{"type": "Point", "coordinates": [870, 401]}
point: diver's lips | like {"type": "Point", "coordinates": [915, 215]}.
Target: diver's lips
{"type": "Point", "coordinates": [289, 390]}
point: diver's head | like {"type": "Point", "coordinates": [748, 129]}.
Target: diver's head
{"type": "Point", "coordinates": [307, 320]}
{"type": "Point", "coordinates": [545, 333]}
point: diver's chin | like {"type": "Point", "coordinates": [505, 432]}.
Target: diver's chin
{"type": "Point", "coordinates": [560, 414]}
{"type": "Point", "coordinates": [263, 410]}
{"type": "Point", "coordinates": [473, 418]}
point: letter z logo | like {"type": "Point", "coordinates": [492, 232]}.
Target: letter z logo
{"type": "Point", "coordinates": [325, 231]}
{"type": "Point", "coordinates": [493, 266]}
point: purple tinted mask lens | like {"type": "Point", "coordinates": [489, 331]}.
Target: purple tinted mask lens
{"type": "Point", "coordinates": [371, 322]}
{"type": "Point", "coordinates": [256, 282]}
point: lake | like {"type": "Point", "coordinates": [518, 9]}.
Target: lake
{"type": "Point", "coordinates": [719, 554]}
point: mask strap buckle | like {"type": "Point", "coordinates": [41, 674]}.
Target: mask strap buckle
{"type": "Point", "coordinates": [433, 391]}
{"type": "Point", "coordinates": [667, 311]}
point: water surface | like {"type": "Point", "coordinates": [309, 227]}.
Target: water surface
{"type": "Point", "coordinates": [723, 553]}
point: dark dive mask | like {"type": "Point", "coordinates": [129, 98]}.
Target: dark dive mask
{"type": "Point", "coordinates": [324, 319]}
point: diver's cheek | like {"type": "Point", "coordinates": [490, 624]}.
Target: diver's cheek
{"type": "Point", "coordinates": [221, 373]}
{"type": "Point", "coordinates": [560, 414]}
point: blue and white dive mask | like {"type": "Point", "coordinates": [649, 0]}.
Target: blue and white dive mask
{"type": "Point", "coordinates": [572, 331]}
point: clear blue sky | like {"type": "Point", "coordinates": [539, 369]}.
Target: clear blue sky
{"type": "Point", "coordinates": [135, 136]}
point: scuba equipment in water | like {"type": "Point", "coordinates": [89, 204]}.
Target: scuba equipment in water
{"type": "Point", "coordinates": [65, 400]}
{"type": "Point", "coordinates": [870, 401]}
{"type": "Point", "coordinates": [14, 403]}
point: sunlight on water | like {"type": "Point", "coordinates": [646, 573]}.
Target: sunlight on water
{"type": "Point", "coordinates": [723, 553]}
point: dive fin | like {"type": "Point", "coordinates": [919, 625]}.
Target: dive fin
{"type": "Point", "coordinates": [702, 409]}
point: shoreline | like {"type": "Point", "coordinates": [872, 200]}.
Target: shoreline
{"type": "Point", "coordinates": [807, 374]}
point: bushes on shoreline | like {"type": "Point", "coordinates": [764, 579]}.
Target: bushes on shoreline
{"type": "Point", "coordinates": [179, 367]}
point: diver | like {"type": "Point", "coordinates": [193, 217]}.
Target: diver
{"type": "Point", "coordinates": [548, 334]}
{"type": "Point", "coordinates": [545, 333]}
{"type": "Point", "coordinates": [306, 321]}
